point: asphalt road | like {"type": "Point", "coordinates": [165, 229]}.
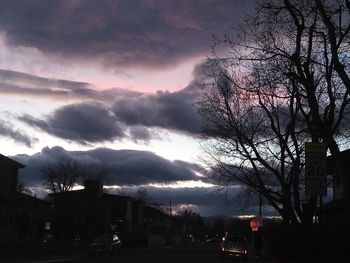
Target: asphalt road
{"type": "Point", "coordinates": [163, 255]}
{"type": "Point", "coordinates": [199, 254]}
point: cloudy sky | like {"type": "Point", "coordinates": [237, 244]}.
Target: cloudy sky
{"type": "Point", "coordinates": [112, 84]}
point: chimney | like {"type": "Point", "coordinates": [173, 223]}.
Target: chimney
{"type": "Point", "coordinates": [93, 187]}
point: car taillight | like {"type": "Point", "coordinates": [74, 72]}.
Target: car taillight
{"type": "Point", "coordinates": [245, 251]}
{"type": "Point", "coordinates": [222, 248]}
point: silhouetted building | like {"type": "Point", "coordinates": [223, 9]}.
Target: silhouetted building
{"type": "Point", "coordinates": [89, 212]}
{"type": "Point", "coordinates": [8, 175]}
{"type": "Point", "coordinates": [334, 233]}
{"type": "Point", "coordinates": [339, 206]}
{"type": "Point", "coordinates": [22, 217]}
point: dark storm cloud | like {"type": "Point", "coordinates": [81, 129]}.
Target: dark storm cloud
{"type": "Point", "coordinates": [28, 79]}
{"type": "Point", "coordinates": [119, 32]}
{"type": "Point", "coordinates": [14, 82]}
{"type": "Point", "coordinates": [163, 109]}
{"type": "Point", "coordinates": [206, 201]}
{"type": "Point", "coordinates": [16, 89]}
{"type": "Point", "coordinates": [136, 169]}
{"type": "Point", "coordinates": [84, 123]}
{"type": "Point", "coordinates": [125, 167]}
{"type": "Point", "coordinates": [131, 116]}
{"type": "Point", "coordinates": [198, 196]}
{"type": "Point", "coordinates": [132, 112]}
{"type": "Point", "coordinates": [139, 133]}
{"type": "Point", "coordinates": [19, 83]}
{"type": "Point", "coordinates": [7, 130]}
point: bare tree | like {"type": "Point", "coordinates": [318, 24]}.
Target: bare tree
{"type": "Point", "coordinates": [143, 196]}
{"type": "Point", "coordinates": [276, 88]}
{"type": "Point", "coordinates": [255, 141]}
{"type": "Point", "coordinates": [61, 176]}
{"type": "Point", "coordinates": [24, 188]}
{"type": "Point", "coordinates": [122, 191]}
{"type": "Point", "coordinates": [192, 221]}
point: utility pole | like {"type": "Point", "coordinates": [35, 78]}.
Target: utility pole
{"type": "Point", "coordinates": [171, 224]}
{"type": "Point", "coordinates": [260, 203]}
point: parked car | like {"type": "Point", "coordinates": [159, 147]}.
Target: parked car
{"type": "Point", "coordinates": [103, 244]}
{"type": "Point", "coordinates": [234, 245]}
{"type": "Point", "coordinates": [212, 239]}
{"type": "Point", "coordinates": [190, 239]}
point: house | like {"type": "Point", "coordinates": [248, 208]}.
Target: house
{"type": "Point", "coordinates": [8, 175]}
{"type": "Point", "coordinates": [334, 216]}
{"type": "Point", "coordinates": [340, 183]}
{"type": "Point", "coordinates": [340, 203]}
{"type": "Point", "coordinates": [22, 217]}
{"type": "Point", "coordinates": [88, 212]}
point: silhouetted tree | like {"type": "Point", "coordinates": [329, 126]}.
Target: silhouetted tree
{"type": "Point", "coordinates": [24, 189]}
{"type": "Point", "coordinates": [122, 191]}
{"type": "Point", "coordinates": [219, 227]}
{"type": "Point", "coordinates": [143, 196]}
{"type": "Point", "coordinates": [283, 82]}
{"type": "Point", "coordinates": [193, 221]}
{"type": "Point", "coordinates": [60, 176]}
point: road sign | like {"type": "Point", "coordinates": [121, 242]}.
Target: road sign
{"type": "Point", "coordinates": [255, 223]}
{"type": "Point", "coordinates": [315, 169]}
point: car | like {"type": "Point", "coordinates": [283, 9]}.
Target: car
{"type": "Point", "coordinates": [190, 239]}
{"type": "Point", "coordinates": [105, 244]}
{"type": "Point", "coordinates": [235, 245]}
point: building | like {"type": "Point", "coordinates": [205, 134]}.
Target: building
{"type": "Point", "coordinates": [8, 175]}
{"type": "Point", "coordinates": [334, 215]}
{"type": "Point", "coordinates": [340, 203]}
{"type": "Point", "coordinates": [89, 212]}
{"type": "Point", "coordinates": [22, 217]}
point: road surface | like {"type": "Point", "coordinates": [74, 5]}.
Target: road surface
{"type": "Point", "coordinates": [199, 254]}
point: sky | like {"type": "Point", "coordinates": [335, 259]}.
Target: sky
{"type": "Point", "coordinates": [113, 84]}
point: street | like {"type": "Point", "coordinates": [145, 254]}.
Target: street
{"type": "Point", "coordinates": [201, 254]}
{"type": "Point", "coordinates": [153, 255]}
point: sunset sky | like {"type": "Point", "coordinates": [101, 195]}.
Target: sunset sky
{"type": "Point", "coordinates": [112, 84]}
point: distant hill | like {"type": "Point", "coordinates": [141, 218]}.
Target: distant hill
{"type": "Point", "coordinates": [210, 220]}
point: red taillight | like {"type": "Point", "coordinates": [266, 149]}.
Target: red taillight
{"type": "Point", "coordinates": [223, 249]}
{"type": "Point", "coordinates": [245, 251]}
